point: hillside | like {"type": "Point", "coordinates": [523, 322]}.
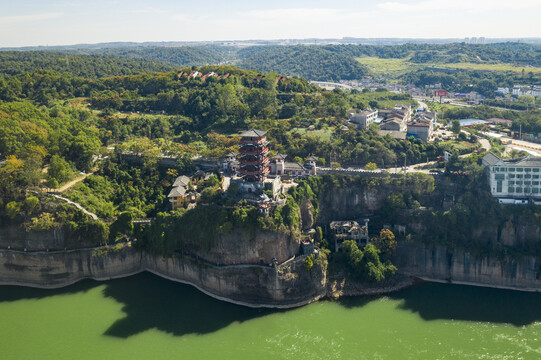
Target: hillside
{"type": "Point", "coordinates": [311, 62]}
{"type": "Point", "coordinates": [88, 66]}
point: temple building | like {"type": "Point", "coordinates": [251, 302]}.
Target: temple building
{"type": "Point", "coordinates": [253, 159]}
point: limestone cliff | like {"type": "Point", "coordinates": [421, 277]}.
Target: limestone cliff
{"type": "Point", "coordinates": [239, 247]}
{"type": "Point", "coordinates": [289, 285]}
{"type": "Point", "coordinates": [15, 236]}
{"type": "Point", "coordinates": [438, 263]}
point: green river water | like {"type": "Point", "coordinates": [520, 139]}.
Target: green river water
{"type": "Point", "coordinates": [146, 317]}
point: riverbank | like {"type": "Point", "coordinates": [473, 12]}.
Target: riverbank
{"type": "Point", "coordinates": [286, 286]}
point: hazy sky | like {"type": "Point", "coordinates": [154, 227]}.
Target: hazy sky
{"type": "Point", "coordinates": [32, 22]}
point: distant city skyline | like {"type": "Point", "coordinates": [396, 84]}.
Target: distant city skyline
{"type": "Point", "coordinates": [66, 22]}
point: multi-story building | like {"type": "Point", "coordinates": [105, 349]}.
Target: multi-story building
{"type": "Point", "coordinates": [518, 179]}
{"type": "Point", "coordinates": [536, 91]}
{"type": "Point", "coordinates": [396, 119]}
{"type": "Point", "coordinates": [519, 90]}
{"type": "Point", "coordinates": [253, 159]}
{"type": "Point", "coordinates": [362, 119]}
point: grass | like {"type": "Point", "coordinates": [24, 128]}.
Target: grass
{"type": "Point", "coordinates": [397, 67]}
{"type": "Point", "coordinates": [490, 67]}
{"type": "Point", "coordinates": [387, 67]}
{"type": "Point", "coordinates": [323, 134]}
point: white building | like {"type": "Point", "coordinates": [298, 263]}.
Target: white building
{"type": "Point", "coordinates": [519, 90]}
{"type": "Point", "coordinates": [363, 119]}
{"type": "Point", "coordinates": [536, 91]}
{"type": "Point", "coordinates": [503, 90]}
{"type": "Point", "coordinates": [514, 178]}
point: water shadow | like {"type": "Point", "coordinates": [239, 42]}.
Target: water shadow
{"type": "Point", "coordinates": [352, 302]}
{"type": "Point", "coordinates": [433, 301]}
{"type": "Point", "coordinates": [151, 302]}
{"type": "Point", "coordinates": [10, 293]}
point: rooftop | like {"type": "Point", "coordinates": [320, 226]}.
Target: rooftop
{"type": "Point", "coordinates": [253, 133]}
{"type": "Point", "coordinates": [181, 181]}
{"type": "Point", "coordinates": [177, 191]}
{"type": "Point", "coordinates": [525, 161]}
{"type": "Point", "coordinates": [490, 159]}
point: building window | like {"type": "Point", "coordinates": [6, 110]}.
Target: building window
{"type": "Point", "coordinates": [527, 169]}
{"type": "Point", "coordinates": [535, 190]}
{"type": "Point", "coordinates": [526, 190]}
{"type": "Point", "coordinates": [499, 186]}
{"type": "Point", "coordinates": [519, 190]}
{"type": "Point", "coordinates": [535, 169]}
{"type": "Point", "coordinates": [535, 182]}
{"type": "Point", "coordinates": [511, 169]}
{"type": "Point", "coordinates": [518, 182]}
{"type": "Point", "coordinates": [519, 176]}
{"type": "Point", "coordinates": [511, 176]}
{"type": "Point", "coordinates": [527, 176]}
{"type": "Point", "coordinates": [527, 182]}
{"type": "Point", "coordinates": [536, 176]}
{"type": "Point", "coordinates": [511, 182]}
{"type": "Point", "coordinates": [511, 189]}
{"type": "Point", "coordinates": [519, 169]}
{"type": "Point", "coordinates": [499, 177]}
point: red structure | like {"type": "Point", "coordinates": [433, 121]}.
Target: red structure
{"type": "Point", "coordinates": [254, 148]}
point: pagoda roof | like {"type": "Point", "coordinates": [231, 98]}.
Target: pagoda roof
{"type": "Point", "coordinates": [253, 133]}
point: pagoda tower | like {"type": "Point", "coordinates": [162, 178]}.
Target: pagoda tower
{"type": "Point", "coordinates": [253, 150]}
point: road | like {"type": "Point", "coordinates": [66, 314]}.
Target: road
{"type": "Point", "coordinates": [530, 147]}
{"type": "Point", "coordinates": [67, 185]}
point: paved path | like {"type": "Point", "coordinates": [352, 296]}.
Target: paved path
{"type": "Point", "coordinates": [78, 206]}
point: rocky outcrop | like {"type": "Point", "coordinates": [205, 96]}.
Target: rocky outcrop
{"type": "Point", "coordinates": [289, 285]}
{"type": "Point", "coordinates": [239, 247]}
{"type": "Point", "coordinates": [437, 263]}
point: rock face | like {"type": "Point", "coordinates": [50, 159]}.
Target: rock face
{"type": "Point", "coordinates": [439, 264]}
{"type": "Point", "coordinates": [260, 248]}
{"type": "Point", "coordinates": [17, 237]}
{"type": "Point", "coordinates": [289, 285]}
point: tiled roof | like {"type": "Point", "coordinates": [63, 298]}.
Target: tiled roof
{"type": "Point", "coordinates": [293, 166]}
{"type": "Point", "coordinates": [490, 159]}
{"type": "Point", "coordinates": [253, 133]}
{"type": "Point", "coordinates": [177, 191]}
{"type": "Point", "coordinates": [181, 181]}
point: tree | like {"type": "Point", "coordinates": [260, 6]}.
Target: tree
{"type": "Point", "coordinates": [30, 204]}
{"type": "Point", "coordinates": [386, 243]}
{"type": "Point", "coordinates": [455, 126]}
{"type": "Point", "coordinates": [371, 166]}
{"type": "Point", "coordinates": [373, 104]}
{"type": "Point", "coordinates": [59, 169]}
{"type": "Point", "coordinates": [13, 209]}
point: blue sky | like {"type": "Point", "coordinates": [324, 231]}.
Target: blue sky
{"type": "Point", "coordinates": [64, 22]}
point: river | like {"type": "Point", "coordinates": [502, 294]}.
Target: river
{"type": "Point", "coordinates": [146, 317]}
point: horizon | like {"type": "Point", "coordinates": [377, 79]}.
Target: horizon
{"type": "Point", "coordinates": [33, 23]}
{"type": "Point", "coordinates": [346, 40]}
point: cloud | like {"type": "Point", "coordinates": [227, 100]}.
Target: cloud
{"type": "Point", "coordinates": [465, 5]}
{"type": "Point", "coordinates": [28, 18]}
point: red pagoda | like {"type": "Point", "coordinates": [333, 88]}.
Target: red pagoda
{"type": "Point", "coordinates": [254, 148]}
